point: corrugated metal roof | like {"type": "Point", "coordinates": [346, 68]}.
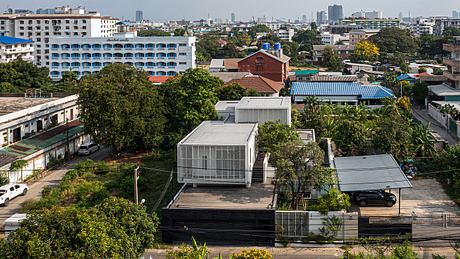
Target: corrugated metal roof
{"type": "Point", "coordinates": [11, 40]}
{"type": "Point", "coordinates": [368, 173]}
{"type": "Point", "coordinates": [340, 89]}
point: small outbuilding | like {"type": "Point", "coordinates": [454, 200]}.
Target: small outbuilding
{"type": "Point", "coordinates": [263, 109]}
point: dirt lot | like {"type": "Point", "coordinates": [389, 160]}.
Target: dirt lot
{"type": "Point", "coordinates": [426, 197]}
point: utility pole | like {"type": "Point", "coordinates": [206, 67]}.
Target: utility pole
{"type": "Point", "coordinates": [136, 192]}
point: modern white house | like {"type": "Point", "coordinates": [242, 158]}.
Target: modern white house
{"type": "Point", "coordinates": [40, 28]}
{"type": "Point", "coordinates": [159, 56]}
{"type": "Point", "coordinates": [15, 48]}
{"type": "Point", "coordinates": [217, 153]}
{"type": "Point", "coordinates": [22, 117]}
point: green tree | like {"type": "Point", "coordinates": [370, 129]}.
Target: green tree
{"type": "Point", "coordinates": [272, 134]}
{"type": "Point", "coordinates": [6, 87]}
{"type": "Point", "coordinates": [19, 165]}
{"type": "Point", "coordinates": [180, 32]}
{"type": "Point", "coordinates": [184, 251]}
{"type": "Point", "coordinates": [235, 91]}
{"type": "Point", "coordinates": [299, 169]}
{"type": "Point", "coordinates": [395, 44]}
{"type": "Point", "coordinates": [306, 39]}
{"type": "Point", "coordinates": [189, 99]}
{"type": "Point", "coordinates": [331, 60]}
{"type": "Point", "coordinates": [115, 228]}
{"type": "Point", "coordinates": [258, 28]}
{"type": "Point", "coordinates": [68, 83]}
{"type": "Point", "coordinates": [207, 47]}
{"type": "Point", "coordinates": [153, 33]}
{"type": "Point", "coordinates": [333, 200]}
{"type": "Point", "coordinates": [23, 75]}
{"type": "Point", "coordinates": [420, 93]}
{"type": "Point", "coordinates": [120, 108]}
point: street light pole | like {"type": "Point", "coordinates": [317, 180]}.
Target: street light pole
{"type": "Point", "coordinates": [136, 191]}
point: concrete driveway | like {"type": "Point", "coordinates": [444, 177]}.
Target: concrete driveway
{"type": "Point", "coordinates": [52, 178]}
{"type": "Point", "coordinates": [427, 197]}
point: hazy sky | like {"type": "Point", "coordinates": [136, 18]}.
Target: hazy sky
{"type": "Point", "coordinates": [160, 10]}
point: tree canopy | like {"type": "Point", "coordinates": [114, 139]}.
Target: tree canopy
{"type": "Point", "coordinates": [152, 33]}
{"type": "Point", "coordinates": [331, 60]}
{"type": "Point", "coordinates": [189, 99]}
{"type": "Point", "coordinates": [396, 45]}
{"type": "Point", "coordinates": [306, 39]}
{"type": "Point", "coordinates": [365, 51]}
{"type": "Point", "coordinates": [271, 134]}
{"type": "Point", "coordinates": [234, 92]}
{"type": "Point", "coordinates": [120, 108]}
{"type": "Point", "coordinates": [115, 228]}
{"type": "Point", "coordinates": [19, 75]}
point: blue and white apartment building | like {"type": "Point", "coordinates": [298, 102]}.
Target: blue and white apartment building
{"type": "Point", "coordinates": [159, 56]}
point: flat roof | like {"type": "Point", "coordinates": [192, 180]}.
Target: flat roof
{"type": "Point", "coordinates": [226, 106]}
{"type": "Point", "coordinates": [264, 103]}
{"type": "Point", "coordinates": [443, 90]}
{"type": "Point", "coordinates": [220, 133]}
{"type": "Point", "coordinates": [258, 196]}
{"type": "Point", "coordinates": [14, 104]}
{"type": "Point", "coordinates": [368, 173]}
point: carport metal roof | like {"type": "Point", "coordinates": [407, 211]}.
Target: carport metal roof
{"type": "Point", "coordinates": [366, 173]}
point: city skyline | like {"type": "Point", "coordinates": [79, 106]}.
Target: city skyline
{"type": "Point", "coordinates": [244, 10]}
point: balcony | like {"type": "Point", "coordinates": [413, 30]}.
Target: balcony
{"type": "Point", "coordinates": [452, 62]}
{"type": "Point", "coordinates": [452, 76]}
{"type": "Point", "coordinates": [451, 47]}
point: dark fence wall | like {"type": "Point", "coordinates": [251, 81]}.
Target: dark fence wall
{"type": "Point", "coordinates": [219, 226]}
{"type": "Point", "coordinates": [384, 227]}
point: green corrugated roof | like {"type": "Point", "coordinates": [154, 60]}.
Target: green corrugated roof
{"type": "Point", "coordinates": [306, 72]}
{"type": "Point", "coordinates": [31, 145]}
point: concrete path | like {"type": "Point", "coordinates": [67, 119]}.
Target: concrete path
{"type": "Point", "coordinates": [52, 178]}
{"type": "Point", "coordinates": [425, 119]}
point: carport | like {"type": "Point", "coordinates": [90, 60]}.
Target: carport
{"type": "Point", "coordinates": [370, 173]}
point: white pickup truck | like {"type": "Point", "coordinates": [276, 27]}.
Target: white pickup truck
{"type": "Point", "coordinates": [11, 191]}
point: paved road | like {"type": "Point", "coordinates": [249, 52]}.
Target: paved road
{"type": "Point", "coordinates": [52, 178]}
{"type": "Point", "coordinates": [425, 119]}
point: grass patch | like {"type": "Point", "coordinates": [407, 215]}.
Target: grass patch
{"type": "Point", "coordinates": [91, 182]}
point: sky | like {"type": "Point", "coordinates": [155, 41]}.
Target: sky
{"type": "Point", "coordinates": [163, 10]}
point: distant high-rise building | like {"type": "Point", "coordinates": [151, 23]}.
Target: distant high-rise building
{"type": "Point", "coordinates": [304, 18]}
{"type": "Point", "coordinates": [139, 16]}
{"type": "Point", "coordinates": [455, 14]}
{"type": "Point", "coordinates": [233, 18]}
{"type": "Point", "coordinates": [335, 13]}
{"type": "Point", "coordinates": [321, 17]}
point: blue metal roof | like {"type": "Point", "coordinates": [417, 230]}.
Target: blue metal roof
{"type": "Point", "coordinates": [11, 40]}
{"type": "Point", "coordinates": [340, 89]}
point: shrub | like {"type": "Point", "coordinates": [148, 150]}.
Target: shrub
{"type": "Point", "coordinates": [253, 254]}
{"type": "Point", "coordinates": [333, 200]}
{"type": "Point", "coordinates": [195, 251]}
{"type": "Point", "coordinates": [4, 180]}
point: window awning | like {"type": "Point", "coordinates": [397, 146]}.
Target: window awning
{"type": "Point", "coordinates": [367, 173]}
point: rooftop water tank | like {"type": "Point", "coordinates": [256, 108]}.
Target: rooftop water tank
{"type": "Point", "coordinates": [266, 46]}
{"type": "Point", "coordinates": [277, 46]}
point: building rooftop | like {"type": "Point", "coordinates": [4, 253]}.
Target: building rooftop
{"type": "Point", "coordinates": [340, 89]}
{"type": "Point", "coordinates": [11, 41]}
{"type": "Point", "coordinates": [14, 104]}
{"type": "Point", "coordinates": [226, 106]}
{"type": "Point", "coordinates": [258, 196]}
{"type": "Point", "coordinates": [229, 76]}
{"type": "Point", "coordinates": [444, 90]}
{"type": "Point", "coordinates": [331, 78]}
{"type": "Point", "coordinates": [259, 84]}
{"type": "Point", "coordinates": [282, 58]}
{"type": "Point", "coordinates": [264, 103]}
{"type": "Point", "coordinates": [369, 173]}
{"type": "Point", "coordinates": [306, 72]}
{"type": "Point", "coordinates": [219, 133]}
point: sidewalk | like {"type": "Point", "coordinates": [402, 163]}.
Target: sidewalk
{"type": "Point", "coordinates": [433, 125]}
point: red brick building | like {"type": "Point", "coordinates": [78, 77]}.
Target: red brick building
{"type": "Point", "coordinates": [263, 63]}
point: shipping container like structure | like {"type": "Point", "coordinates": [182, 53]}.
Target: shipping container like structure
{"type": "Point", "coordinates": [217, 153]}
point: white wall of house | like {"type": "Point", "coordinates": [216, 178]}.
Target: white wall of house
{"type": "Point", "coordinates": [28, 120]}
{"type": "Point", "coordinates": [41, 158]}
{"type": "Point", "coordinates": [437, 115]}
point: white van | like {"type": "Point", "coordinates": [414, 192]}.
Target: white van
{"type": "Point", "coordinates": [88, 148]}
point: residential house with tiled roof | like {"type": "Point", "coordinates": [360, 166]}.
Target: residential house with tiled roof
{"type": "Point", "coordinates": [260, 84]}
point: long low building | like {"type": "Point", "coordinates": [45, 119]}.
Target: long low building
{"type": "Point", "coordinates": [159, 56]}
{"type": "Point", "coordinates": [22, 117]}
{"type": "Point", "coordinates": [340, 93]}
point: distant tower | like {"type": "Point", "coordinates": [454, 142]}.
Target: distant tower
{"type": "Point", "coordinates": [233, 18]}
{"type": "Point", "coordinates": [321, 17]}
{"type": "Point", "coordinates": [139, 16]}
{"type": "Point", "coordinates": [455, 15]}
{"type": "Point", "coordinates": [335, 13]}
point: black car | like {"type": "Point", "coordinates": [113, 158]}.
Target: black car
{"type": "Point", "coordinates": [375, 198]}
